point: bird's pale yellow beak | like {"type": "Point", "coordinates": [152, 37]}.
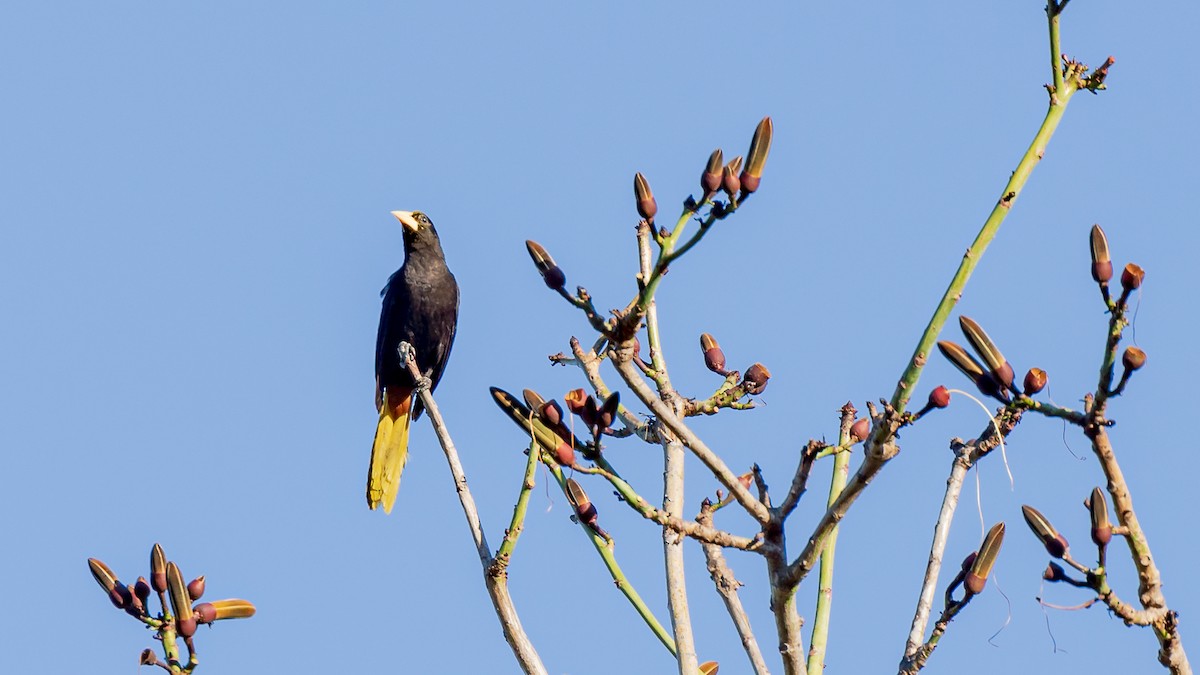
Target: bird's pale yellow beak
{"type": "Point", "coordinates": [406, 219]}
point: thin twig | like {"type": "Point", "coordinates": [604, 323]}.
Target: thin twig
{"type": "Point", "coordinates": [497, 585]}
{"type": "Point", "coordinates": [604, 548]}
{"type": "Point", "coordinates": [800, 480]}
{"type": "Point", "coordinates": [673, 456]}
{"type": "Point", "coordinates": [517, 525]}
{"type": "Point", "coordinates": [701, 533]}
{"type": "Point", "coordinates": [727, 587]}
{"type": "Point", "coordinates": [710, 459]}
{"type": "Point", "coordinates": [965, 457]}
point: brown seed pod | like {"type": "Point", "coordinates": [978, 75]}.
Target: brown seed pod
{"type": "Point", "coordinates": [756, 158]}
{"type": "Point", "coordinates": [186, 627]}
{"type": "Point", "coordinates": [585, 510]}
{"type": "Point", "coordinates": [968, 366]}
{"type": "Point", "coordinates": [709, 668]}
{"type": "Point", "coordinates": [939, 397]}
{"type": "Point", "coordinates": [974, 583]}
{"type": "Point", "coordinates": [181, 603]}
{"type": "Point", "coordinates": [551, 412]}
{"type": "Point", "coordinates": [608, 411]}
{"type": "Point", "coordinates": [1098, 512]}
{"type": "Point", "coordinates": [148, 658]}
{"type": "Point", "coordinates": [1000, 370]}
{"type": "Point", "coordinates": [205, 612]}
{"type": "Point", "coordinates": [1101, 262]}
{"type": "Point", "coordinates": [233, 609]}
{"type": "Point", "coordinates": [755, 379]}
{"type": "Point", "coordinates": [1056, 544]}
{"type": "Point", "coordinates": [710, 180]}
{"type": "Point", "coordinates": [981, 567]}
{"type": "Point", "coordinates": [1054, 572]}
{"type": "Point", "coordinates": [730, 181]}
{"type": "Point", "coordinates": [1133, 358]}
{"type": "Point", "coordinates": [103, 574]}
{"type": "Point", "coordinates": [860, 430]}
{"type": "Point", "coordinates": [158, 569]}
{"type": "Point", "coordinates": [532, 399]}
{"type": "Point", "coordinates": [646, 206]}
{"type": "Point", "coordinates": [714, 358]}
{"type": "Point", "coordinates": [195, 588]}
{"type": "Point", "coordinates": [551, 273]}
{"type": "Point", "coordinates": [1035, 381]}
{"type": "Point", "coordinates": [590, 413]}
{"type": "Point", "coordinates": [1131, 277]}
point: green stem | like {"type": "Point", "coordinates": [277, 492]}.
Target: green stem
{"type": "Point", "coordinates": [1052, 13]}
{"type": "Point", "coordinates": [876, 458]}
{"type": "Point", "coordinates": [704, 533]}
{"type": "Point", "coordinates": [606, 554]}
{"type": "Point", "coordinates": [518, 520]}
{"type": "Point", "coordinates": [669, 254]}
{"type": "Point", "coordinates": [819, 639]}
{"type": "Point", "coordinates": [1072, 416]}
{"type": "Point", "coordinates": [991, 226]}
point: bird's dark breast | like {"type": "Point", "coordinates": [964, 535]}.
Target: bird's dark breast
{"type": "Point", "coordinates": [422, 310]}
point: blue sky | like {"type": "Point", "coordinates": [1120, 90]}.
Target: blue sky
{"type": "Point", "coordinates": [196, 229]}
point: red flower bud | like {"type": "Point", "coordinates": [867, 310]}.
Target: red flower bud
{"type": "Point", "coordinates": [1133, 358]}
{"type": "Point", "coordinates": [195, 587]}
{"type": "Point", "coordinates": [710, 180]}
{"type": "Point", "coordinates": [714, 358]}
{"type": "Point", "coordinates": [575, 400]}
{"type": "Point", "coordinates": [1035, 381]}
{"type": "Point", "coordinates": [1101, 262]}
{"type": "Point", "coordinates": [1131, 277]}
{"type": "Point", "coordinates": [860, 430]}
{"type": "Point", "coordinates": [755, 379]}
{"type": "Point", "coordinates": [646, 206]}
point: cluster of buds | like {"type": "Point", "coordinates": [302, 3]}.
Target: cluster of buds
{"type": "Point", "coordinates": [739, 177]}
{"type": "Point", "coordinates": [994, 376]}
{"type": "Point", "coordinates": [756, 377]}
{"type": "Point", "coordinates": [544, 420]}
{"type": "Point", "coordinates": [560, 441]}
{"type": "Point", "coordinates": [977, 566]}
{"type": "Point", "coordinates": [597, 417]}
{"type": "Point", "coordinates": [1102, 268]}
{"type": "Point", "coordinates": [180, 614]}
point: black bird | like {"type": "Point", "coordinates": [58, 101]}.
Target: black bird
{"type": "Point", "coordinates": [420, 307]}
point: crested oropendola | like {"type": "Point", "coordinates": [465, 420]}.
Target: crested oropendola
{"type": "Point", "coordinates": [420, 307]}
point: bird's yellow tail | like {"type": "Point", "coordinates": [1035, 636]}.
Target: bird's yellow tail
{"type": "Point", "coordinates": [390, 452]}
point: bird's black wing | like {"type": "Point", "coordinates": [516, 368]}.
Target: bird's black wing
{"type": "Point", "coordinates": [385, 337]}
{"type": "Point", "coordinates": [442, 328]}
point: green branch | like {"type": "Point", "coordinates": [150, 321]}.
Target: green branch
{"type": "Point", "coordinates": [604, 548]}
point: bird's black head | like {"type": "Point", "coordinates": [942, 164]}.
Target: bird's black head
{"type": "Point", "coordinates": [419, 234]}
